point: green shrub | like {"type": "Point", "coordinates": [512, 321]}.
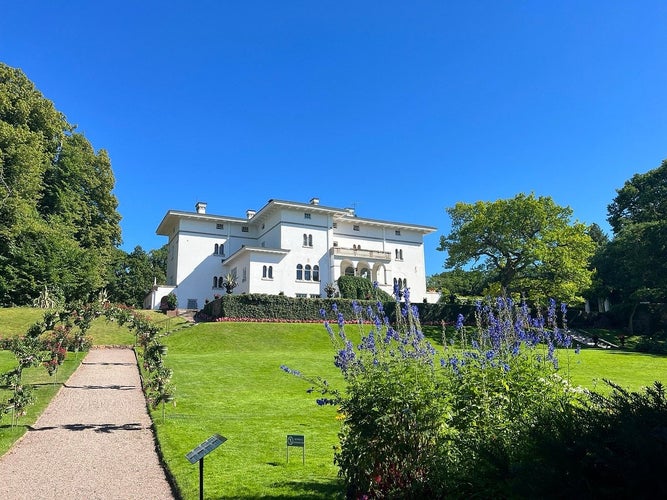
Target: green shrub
{"type": "Point", "coordinates": [356, 287]}
{"type": "Point", "coordinates": [413, 427]}
{"type": "Point", "coordinates": [612, 446]}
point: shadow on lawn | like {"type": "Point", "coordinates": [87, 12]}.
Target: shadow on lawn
{"type": "Point", "coordinates": [304, 489]}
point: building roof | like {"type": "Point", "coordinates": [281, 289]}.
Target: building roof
{"type": "Point", "coordinates": [338, 214]}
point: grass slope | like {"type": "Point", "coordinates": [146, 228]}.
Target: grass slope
{"type": "Point", "coordinates": [228, 381]}
{"type": "Point", "coordinates": [15, 321]}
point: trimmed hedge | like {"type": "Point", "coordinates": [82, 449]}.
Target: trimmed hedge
{"type": "Point", "coordinates": [280, 307]}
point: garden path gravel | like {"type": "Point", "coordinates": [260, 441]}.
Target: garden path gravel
{"type": "Point", "coordinates": [94, 441]}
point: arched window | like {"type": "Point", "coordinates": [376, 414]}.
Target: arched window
{"type": "Point", "coordinates": [305, 240]}
{"type": "Point", "coordinates": [215, 249]}
{"type": "Point", "coordinates": [400, 254]}
{"type": "Point", "coordinates": [264, 272]}
{"type": "Point", "coordinates": [349, 271]}
{"type": "Point", "coordinates": [316, 273]}
{"type": "Point", "coordinates": [270, 272]}
{"type": "Point", "coordinates": [310, 240]}
{"type": "Point", "coordinates": [306, 274]}
{"type": "Point", "coordinates": [221, 249]}
{"type": "Point", "coordinates": [215, 282]}
{"type": "Point", "coordinates": [364, 272]}
{"type": "Point", "coordinates": [299, 272]}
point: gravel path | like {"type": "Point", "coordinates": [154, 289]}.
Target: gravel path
{"type": "Point", "coordinates": [94, 441]}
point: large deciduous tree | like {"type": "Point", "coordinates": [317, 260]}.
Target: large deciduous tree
{"type": "Point", "coordinates": [58, 217]}
{"type": "Point", "coordinates": [527, 244]}
{"type": "Point", "coordinates": [633, 266]}
{"type": "Point", "coordinates": [132, 274]}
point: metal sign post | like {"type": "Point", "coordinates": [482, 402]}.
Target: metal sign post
{"type": "Point", "coordinates": [198, 454]}
{"type": "Point", "coordinates": [299, 441]}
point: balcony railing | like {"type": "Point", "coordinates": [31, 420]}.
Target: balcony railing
{"type": "Point", "coordinates": [359, 253]}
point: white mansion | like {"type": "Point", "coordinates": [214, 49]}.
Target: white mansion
{"type": "Point", "coordinates": [286, 247]}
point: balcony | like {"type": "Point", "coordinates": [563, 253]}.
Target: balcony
{"type": "Point", "coordinates": [376, 255]}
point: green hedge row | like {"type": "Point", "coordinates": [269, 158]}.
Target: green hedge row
{"type": "Point", "coordinates": [280, 307]}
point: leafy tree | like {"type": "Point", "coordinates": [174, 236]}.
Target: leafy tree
{"type": "Point", "coordinates": [55, 199]}
{"type": "Point", "coordinates": [132, 275]}
{"type": "Point", "coordinates": [528, 244]}
{"type": "Point", "coordinates": [633, 266]}
{"type": "Point", "coordinates": [461, 282]}
{"type": "Point", "coordinates": [642, 199]}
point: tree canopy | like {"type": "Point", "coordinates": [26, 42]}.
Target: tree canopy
{"type": "Point", "coordinates": [131, 276]}
{"type": "Point", "coordinates": [527, 244]}
{"type": "Point", "coordinates": [633, 265]}
{"type": "Point", "coordinates": [58, 219]}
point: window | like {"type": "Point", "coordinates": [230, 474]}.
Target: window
{"type": "Point", "coordinates": [314, 296]}
{"type": "Point", "coordinates": [335, 243]}
{"type": "Point", "coordinates": [192, 304]}
{"type": "Point", "coordinates": [401, 283]}
{"type": "Point", "coordinates": [306, 215]}
{"type": "Point", "coordinates": [364, 272]}
{"type": "Point", "coordinates": [399, 254]}
{"type": "Point", "coordinates": [397, 232]}
{"type": "Point", "coordinates": [335, 225]}
{"type": "Point", "coordinates": [219, 249]}
{"type": "Point", "coordinates": [299, 272]}
{"type": "Point", "coordinates": [307, 240]}
{"type": "Point", "coordinates": [301, 295]}
{"type": "Point", "coordinates": [355, 228]}
{"type": "Point", "coordinates": [245, 275]}
{"type": "Point", "coordinates": [316, 273]}
{"type": "Point", "coordinates": [244, 229]}
{"type": "Point", "coordinates": [215, 249]}
{"type": "Point", "coordinates": [219, 226]}
{"type": "Point", "coordinates": [349, 271]}
{"type": "Point", "coordinates": [306, 274]}
{"type": "Point", "coordinates": [215, 282]}
{"type": "Point", "coordinates": [267, 272]}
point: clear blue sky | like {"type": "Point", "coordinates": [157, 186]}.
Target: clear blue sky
{"type": "Point", "coordinates": [399, 108]}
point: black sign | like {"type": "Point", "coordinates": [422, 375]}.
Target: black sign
{"type": "Point", "coordinates": [296, 440]}
{"type": "Point", "coordinates": [205, 448]}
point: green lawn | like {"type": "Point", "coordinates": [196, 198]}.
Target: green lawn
{"type": "Point", "coordinates": [16, 320]}
{"type": "Point", "coordinates": [228, 381]}
{"type": "Point", "coordinates": [630, 370]}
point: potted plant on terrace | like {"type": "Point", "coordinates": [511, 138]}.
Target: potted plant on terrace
{"type": "Point", "coordinates": [230, 282]}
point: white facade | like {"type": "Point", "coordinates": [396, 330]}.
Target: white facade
{"type": "Point", "coordinates": [289, 247]}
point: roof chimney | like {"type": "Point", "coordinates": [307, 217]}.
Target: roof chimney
{"type": "Point", "coordinates": [200, 207]}
{"type": "Point", "coordinates": [250, 214]}
{"type": "Point", "coordinates": [314, 201]}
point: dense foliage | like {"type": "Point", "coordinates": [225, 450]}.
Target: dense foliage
{"type": "Point", "coordinates": [58, 217]}
{"type": "Point", "coordinates": [633, 266]}
{"type": "Point", "coordinates": [459, 283]}
{"type": "Point", "coordinates": [416, 423]}
{"type": "Point", "coordinates": [356, 287]}
{"type": "Point", "coordinates": [132, 275]}
{"type": "Point", "coordinates": [528, 245]}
